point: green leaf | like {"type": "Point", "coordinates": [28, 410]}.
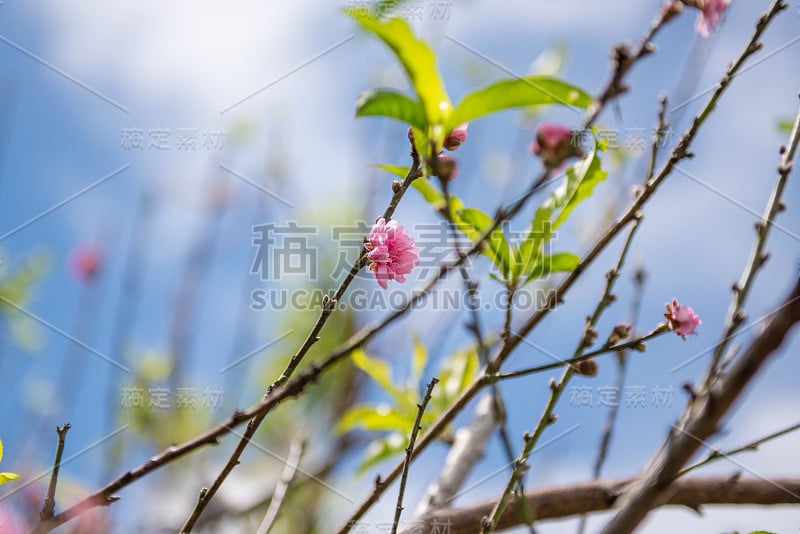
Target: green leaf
{"type": "Point", "coordinates": [393, 104]}
{"type": "Point", "coordinates": [455, 375]}
{"type": "Point", "coordinates": [785, 126]}
{"type": "Point", "coordinates": [379, 371]}
{"type": "Point", "coordinates": [418, 61]}
{"type": "Point", "coordinates": [510, 93]}
{"type": "Point", "coordinates": [418, 361]}
{"type": "Point", "coordinates": [6, 477]}
{"type": "Point", "coordinates": [398, 170]}
{"type": "Point", "coordinates": [374, 418]}
{"type": "Point", "coordinates": [560, 262]}
{"type": "Point", "coordinates": [429, 192]}
{"type": "Point", "coordinates": [476, 223]}
{"type": "Point", "coordinates": [381, 449]}
{"type": "Point", "coordinates": [581, 179]}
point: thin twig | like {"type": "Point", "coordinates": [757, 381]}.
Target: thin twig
{"type": "Point", "coordinates": [622, 364]}
{"type": "Point", "coordinates": [637, 344]}
{"type": "Point", "coordinates": [295, 451]}
{"type": "Point", "coordinates": [736, 315]}
{"type": "Point", "coordinates": [49, 507]}
{"type": "Point", "coordinates": [489, 524]}
{"type": "Point", "coordinates": [410, 449]}
{"type": "Point", "coordinates": [716, 454]}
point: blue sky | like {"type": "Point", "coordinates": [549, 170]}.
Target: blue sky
{"type": "Point", "coordinates": [280, 79]}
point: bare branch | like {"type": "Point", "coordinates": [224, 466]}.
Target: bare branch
{"type": "Point", "coordinates": [736, 316]}
{"type": "Point", "coordinates": [295, 451]}
{"type": "Point", "coordinates": [560, 502]}
{"type": "Point", "coordinates": [411, 440]}
{"type": "Point", "coordinates": [49, 507]}
{"type": "Point", "coordinates": [716, 454]}
{"type": "Point", "coordinates": [702, 418]}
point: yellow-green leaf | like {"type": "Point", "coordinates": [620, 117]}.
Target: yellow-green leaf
{"type": "Point", "coordinates": [6, 477]}
{"type": "Point", "coordinates": [476, 223]}
{"type": "Point", "coordinates": [374, 418]}
{"type": "Point", "coordinates": [393, 104]}
{"type": "Point", "coordinates": [510, 93]}
{"type": "Point", "coordinates": [418, 61]}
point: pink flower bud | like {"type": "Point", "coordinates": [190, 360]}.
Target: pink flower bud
{"type": "Point", "coordinates": [85, 261]}
{"type": "Point", "coordinates": [446, 167]}
{"type": "Point", "coordinates": [681, 319]}
{"type": "Point", "coordinates": [710, 16]}
{"type": "Point", "coordinates": [391, 252]}
{"type": "Point", "coordinates": [554, 144]}
{"type": "Point", "coordinates": [456, 137]}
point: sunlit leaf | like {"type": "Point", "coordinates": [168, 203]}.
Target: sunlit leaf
{"type": "Point", "coordinates": [381, 449]}
{"type": "Point", "coordinates": [6, 477]}
{"type": "Point", "coordinates": [417, 59]}
{"type": "Point", "coordinates": [381, 373]}
{"type": "Point", "coordinates": [418, 361]}
{"type": "Point", "coordinates": [393, 104]}
{"type": "Point", "coordinates": [397, 170]}
{"type": "Point", "coordinates": [516, 93]}
{"type": "Point", "coordinates": [477, 223]}
{"type": "Point", "coordinates": [560, 262]}
{"type": "Point", "coordinates": [374, 418]}
{"type": "Point", "coordinates": [581, 179]}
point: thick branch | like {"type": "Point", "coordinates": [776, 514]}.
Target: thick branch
{"type": "Point", "coordinates": [560, 502]}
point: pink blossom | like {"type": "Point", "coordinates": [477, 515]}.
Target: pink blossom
{"type": "Point", "coordinates": [682, 319]}
{"type": "Point", "coordinates": [554, 144]}
{"type": "Point", "coordinates": [391, 251]}
{"type": "Point", "coordinates": [85, 261]}
{"type": "Point", "coordinates": [446, 167]}
{"type": "Point", "coordinates": [710, 16]}
{"type": "Point", "coordinates": [457, 137]}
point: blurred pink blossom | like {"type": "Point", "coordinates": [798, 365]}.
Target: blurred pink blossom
{"type": "Point", "coordinates": [391, 251]}
{"type": "Point", "coordinates": [85, 261]}
{"type": "Point", "coordinates": [710, 16]}
{"type": "Point", "coordinates": [682, 319]}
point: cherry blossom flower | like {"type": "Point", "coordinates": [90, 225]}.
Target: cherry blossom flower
{"type": "Point", "coordinates": [710, 16]}
{"type": "Point", "coordinates": [391, 252]}
{"type": "Point", "coordinates": [457, 137]}
{"type": "Point", "coordinates": [681, 319]}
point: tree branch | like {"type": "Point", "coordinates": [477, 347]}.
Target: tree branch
{"type": "Point", "coordinates": [411, 440]}
{"type": "Point", "coordinates": [702, 418]}
{"type": "Point", "coordinates": [295, 451]}
{"type": "Point", "coordinates": [48, 509]}
{"type": "Point", "coordinates": [560, 502]}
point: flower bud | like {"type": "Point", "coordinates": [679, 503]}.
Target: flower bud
{"type": "Point", "coordinates": [620, 332]}
{"type": "Point", "coordinates": [554, 144]}
{"type": "Point", "coordinates": [587, 367]}
{"type": "Point", "coordinates": [445, 167]}
{"type": "Point", "coordinates": [457, 137]}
